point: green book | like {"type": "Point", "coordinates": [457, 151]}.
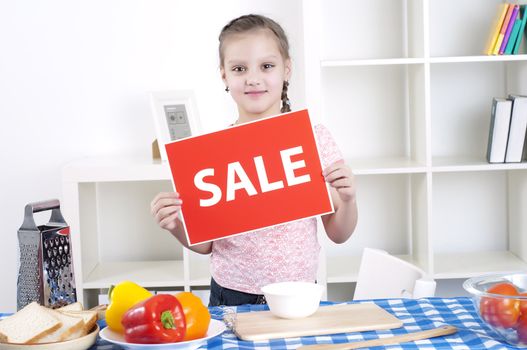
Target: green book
{"type": "Point", "coordinates": [514, 35]}
{"type": "Point", "coordinates": [521, 30]}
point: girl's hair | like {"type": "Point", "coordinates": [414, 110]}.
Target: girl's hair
{"type": "Point", "coordinates": [251, 22]}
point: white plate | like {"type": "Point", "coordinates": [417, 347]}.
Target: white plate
{"type": "Point", "coordinates": [215, 328]}
{"type": "Point", "coordinates": [81, 343]}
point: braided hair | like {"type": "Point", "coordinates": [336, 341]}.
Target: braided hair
{"type": "Point", "coordinates": [250, 22]}
{"type": "Point", "coordinates": [286, 104]}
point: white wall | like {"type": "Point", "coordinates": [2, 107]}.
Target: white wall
{"type": "Point", "coordinates": [73, 83]}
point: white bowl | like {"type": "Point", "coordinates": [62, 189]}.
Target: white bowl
{"type": "Point", "coordinates": [216, 328]}
{"type": "Point", "coordinates": [82, 343]}
{"type": "Point", "coordinates": [293, 299]}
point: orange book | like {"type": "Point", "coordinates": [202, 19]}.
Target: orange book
{"type": "Point", "coordinates": [496, 27]}
{"type": "Point", "coordinates": [504, 25]}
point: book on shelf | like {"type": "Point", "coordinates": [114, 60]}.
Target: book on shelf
{"type": "Point", "coordinates": [508, 31]}
{"type": "Point", "coordinates": [499, 130]}
{"type": "Point", "coordinates": [521, 31]}
{"type": "Point", "coordinates": [517, 129]}
{"type": "Point", "coordinates": [513, 37]}
{"type": "Point", "coordinates": [496, 27]}
{"type": "Point", "coordinates": [503, 29]}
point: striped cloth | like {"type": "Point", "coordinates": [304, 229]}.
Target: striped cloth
{"type": "Point", "coordinates": [416, 315]}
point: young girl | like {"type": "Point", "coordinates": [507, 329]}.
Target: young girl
{"type": "Point", "coordinates": [255, 67]}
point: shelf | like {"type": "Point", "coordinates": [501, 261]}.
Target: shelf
{"type": "Point", "coordinates": [116, 169]}
{"type": "Point", "coordinates": [148, 273]}
{"type": "Point", "coordinates": [379, 166]}
{"type": "Point", "coordinates": [371, 62]}
{"type": "Point", "coordinates": [472, 59]}
{"type": "Point", "coordinates": [466, 265]}
{"type": "Point", "coordinates": [409, 61]}
{"type": "Point", "coordinates": [460, 164]}
{"type": "Point", "coordinates": [398, 165]}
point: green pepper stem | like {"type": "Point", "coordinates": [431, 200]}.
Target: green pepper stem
{"type": "Point", "coordinates": [167, 319]}
{"type": "Point", "coordinates": [110, 292]}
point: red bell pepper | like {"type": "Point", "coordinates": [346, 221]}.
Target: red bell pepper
{"type": "Point", "coordinates": [158, 319]}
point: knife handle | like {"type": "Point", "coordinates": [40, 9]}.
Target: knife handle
{"type": "Point", "coordinates": [430, 333]}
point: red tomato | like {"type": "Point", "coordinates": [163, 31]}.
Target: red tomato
{"type": "Point", "coordinates": [521, 328]}
{"type": "Point", "coordinates": [501, 312]}
{"type": "Point", "coordinates": [523, 305]}
{"type": "Point", "coordinates": [487, 308]}
{"type": "Point", "coordinates": [504, 288]}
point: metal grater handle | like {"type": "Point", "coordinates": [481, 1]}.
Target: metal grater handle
{"type": "Point", "coordinates": [44, 205]}
{"type": "Point", "coordinates": [51, 204]}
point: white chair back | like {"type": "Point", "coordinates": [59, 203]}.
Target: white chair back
{"type": "Point", "coordinates": [382, 275]}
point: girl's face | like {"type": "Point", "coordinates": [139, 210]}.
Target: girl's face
{"type": "Point", "coordinates": [255, 71]}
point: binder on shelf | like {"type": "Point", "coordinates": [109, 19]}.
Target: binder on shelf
{"type": "Point", "coordinates": [521, 30]}
{"type": "Point", "coordinates": [499, 130]}
{"type": "Point", "coordinates": [503, 29]}
{"type": "Point", "coordinates": [513, 37]}
{"type": "Point", "coordinates": [496, 27]}
{"type": "Point", "coordinates": [518, 127]}
{"type": "Point", "coordinates": [512, 20]}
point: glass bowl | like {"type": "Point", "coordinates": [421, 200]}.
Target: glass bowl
{"type": "Point", "coordinates": [502, 313]}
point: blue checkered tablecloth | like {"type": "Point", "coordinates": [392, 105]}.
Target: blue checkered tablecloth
{"type": "Point", "coordinates": [416, 315]}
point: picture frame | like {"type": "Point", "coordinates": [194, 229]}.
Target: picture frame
{"type": "Point", "coordinates": [175, 115]}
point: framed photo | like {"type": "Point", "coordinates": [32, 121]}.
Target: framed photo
{"type": "Point", "coordinates": [175, 115]}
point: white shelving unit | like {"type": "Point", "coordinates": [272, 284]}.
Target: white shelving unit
{"type": "Point", "coordinates": [404, 89]}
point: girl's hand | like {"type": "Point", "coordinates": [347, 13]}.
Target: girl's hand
{"type": "Point", "coordinates": [165, 208]}
{"type": "Point", "coordinates": [340, 177]}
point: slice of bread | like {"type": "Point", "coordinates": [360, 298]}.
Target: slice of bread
{"type": "Point", "coordinates": [70, 325]}
{"type": "Point", "coordinates": [28, 325]}
{"type": "Point", "coordinates": [101, 311]}
{"type": "Point", "coordinates": [77, 306]}
{"type": "Point", "coordinates": [89, 318]}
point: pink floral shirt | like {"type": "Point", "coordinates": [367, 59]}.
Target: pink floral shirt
{"type": "Point", "coordinates": [287, 252]}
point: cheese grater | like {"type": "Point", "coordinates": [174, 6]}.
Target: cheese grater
{"type": "Point", "coordinates": [46, 269]}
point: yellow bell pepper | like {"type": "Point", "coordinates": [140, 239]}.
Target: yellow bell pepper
{"type": "Point", "coordinates": [122, 297]}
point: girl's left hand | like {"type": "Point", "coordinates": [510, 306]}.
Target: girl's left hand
{"type": "Point", "coordinates": [340, 177]}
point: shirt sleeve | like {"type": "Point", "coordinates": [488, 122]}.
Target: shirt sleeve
{"type": "Point", "coordinates": [327, 147]}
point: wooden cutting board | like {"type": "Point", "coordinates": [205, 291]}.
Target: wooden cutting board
{"type": "Point", "coordinates": [263, 325]}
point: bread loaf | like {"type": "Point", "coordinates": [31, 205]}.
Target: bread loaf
{"type": "Point", "coordinates": [77, 306]}
{"type": "Point", "coordinates": [28, 325]}
{"type": "Point", "coordinates": [69, 325]}
{"type": "Point", "coordinates": [38, 324]}
{"type": "Point", "coordinates": [89, 318]}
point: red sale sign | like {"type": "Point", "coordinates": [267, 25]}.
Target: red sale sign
{"type": "Point", "coordinates": [248, 177]}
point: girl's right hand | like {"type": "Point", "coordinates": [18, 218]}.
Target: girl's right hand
{"type": "Point", "coordinates": [165, 208]}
